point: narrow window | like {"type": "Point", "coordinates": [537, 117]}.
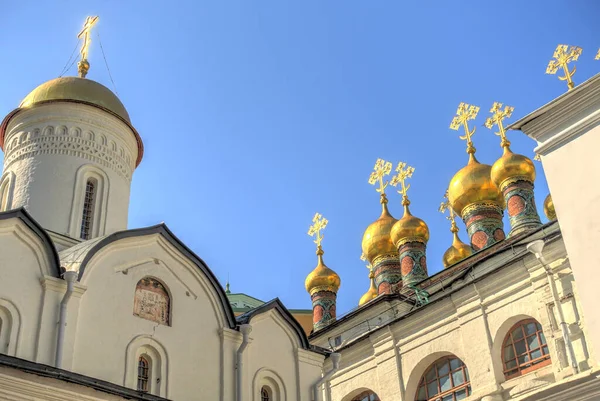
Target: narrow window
{"type": "Point", "coordinates": [87, 218]}
{"type": "Point", "coordinates": [143, 369]}
{"type": "Point", "coordinates": [264, 394]}
{"type": "Point", "coordinates": [4, 197]}
{"type": "Point", "coordinates": [525, 349]}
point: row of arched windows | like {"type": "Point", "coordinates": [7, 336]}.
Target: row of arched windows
{"type": "Point", "coordinates": [524, 350]}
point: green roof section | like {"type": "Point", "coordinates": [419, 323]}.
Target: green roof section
{"type": "Point", "coordinates": [241, 302]}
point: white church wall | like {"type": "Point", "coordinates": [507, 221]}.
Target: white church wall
{"type": "Point", "coordinates": [107, 326]}
{"type": "Point", "coordinates": [272, 354]}
{"type": "Point", "coordinates": [23, 263]}
{"type": "Point", "coordinates": [45, 149]}
{"type": "Point", "coordinates": [471, 324]}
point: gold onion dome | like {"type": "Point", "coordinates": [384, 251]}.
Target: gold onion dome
{"type": "Point", "coordinates": [512, 166]}
{"type": "Point", "coordinates": [322, 278]}
{"type": "Point", "coordinates": [471, 184]}
{"type": "Point", "coordinates": [371, 294]}
{"type": "Point", "coordinates": [549, 208]}
{"type": "Point", "coordinates": [409, 228]}
{"type": "Point", "coordinates": [376, 239]}
{"type": "Point", "coordinates": [457, 251]}
{"type": "Point", "coordinates": [77, 90]}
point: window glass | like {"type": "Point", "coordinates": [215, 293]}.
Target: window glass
{"type": "Point", "coordinates": [447, 380]}
{"type": "Point", "coordinates": [527, 343]}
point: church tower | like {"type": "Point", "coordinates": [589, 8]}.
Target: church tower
{"type": "Point", "coordinates": [409, 234]}
{"type": "Point", "coordinates": [70, 151]}
{"type": "Point", "coordinates": [322, 283]}
{"type": "Point", "coordinates": [472, 193]}
{"type": "Point", "coordinates": [514, 175]}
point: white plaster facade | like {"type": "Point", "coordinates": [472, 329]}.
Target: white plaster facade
{"type": "Point", "coordinates": [50, 153]}
{"type": "Point", "coordinates": [469, 319]}
{"type": "Point", "coordinates": [567, 131]}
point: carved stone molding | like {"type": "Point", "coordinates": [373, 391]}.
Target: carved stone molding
{"type": "Point", "coordinates": [73, 142]}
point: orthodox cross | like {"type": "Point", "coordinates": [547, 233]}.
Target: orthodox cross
{"type": "Point", "coordinates": [84, 65]}
{"type": "Point", "coordinates": [381, 169]}
{"type": "Point", "coordinates": [563, 55]}
{"type": "Point", "coordinates": [496, 119]}
{"type": "Point", "coordinates": [319, 223]}
{"type": "Point", "coordinates": [597, 55]}
{"type": "Point", "coordinates": [445, 206]}
{"type": "Point", "coordinates": [464, 113]}
{"type": "Point", "coordinates": [404, 173]}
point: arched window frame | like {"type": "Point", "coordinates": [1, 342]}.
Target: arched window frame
{"type": "Point", "coordinates": [532, 363]}
{"type": "Point", "coordinates": [10, 328]}
{"type": "Point", "coordinates": [7, 186]}
{"type": "Point", "coordinates": [144, 373]}
{"type": "Point", "coordinates": [267, 378]}
{"type": "Point", "coordinates": [366, 396]}
{"type": "Point", "coordinates": [266, 394]}
{"type": "Point", "coordinates": [156, 355]}
{"type": "Point", "coordinates": [455, 371]}
{"type": "Point", "coordinates": [85, 174]}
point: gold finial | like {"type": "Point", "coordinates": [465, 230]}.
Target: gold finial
{"type": "Point", "coordinates": [496, 119]}
{"type": "Point", "coordinates": [404, 172]}
{"type": "Point", "coordinates": [83, 66]}
{"type": "Point", "coordinates": [319, 223]}
{"type": "Point", "coordinates": [537, 157]}
{"type": "Point", "coordinates": [445, 206]}
{"type": "Point", "coordinates": [465, 113]}
{"type": "Point", "coordinates": [381, 169]}
{"type": "Point", "coordinates": [563, 55]}
{"type": "Point", "coordinates": [597, 55]}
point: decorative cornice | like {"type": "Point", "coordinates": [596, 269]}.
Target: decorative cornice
{"type": "Point", "coordinates": [67, 145]}
{"type": "Point", "coordinates": [564, 118]}
{"type": "Point", "coordinates": [60, 286]}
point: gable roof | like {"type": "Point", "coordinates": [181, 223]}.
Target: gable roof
{"type": "Point", "coordinates": [81, 254]}
{"type": "Point", "coordinates": [285, 314]}
{"type": "Point", "coordinates": [39, 231]}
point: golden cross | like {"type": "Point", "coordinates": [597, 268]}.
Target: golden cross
{"type": "Point", "coordinates": [319, 223]}
{"type": "Point", "coordinates": [496, 119]}
{"type": "Point", "coordinates": [85, 35]}
{"type": "Point", "coordinates": [445, 206]}
{"type": "Point", "coordinates": [381, 169]}
{"type": "Point", "coordinates": [404, 172]}
{"type": "Point", "coordinates": [464, 113]}
{"type": "Point", "coordinates": [563, 55]}
{"type": "Point", "coordinates": [597, 55]}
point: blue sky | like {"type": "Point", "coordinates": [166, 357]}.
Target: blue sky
{"type": "Point", "coordinates": [257, 114]}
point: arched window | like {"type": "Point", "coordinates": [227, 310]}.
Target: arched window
{"type": "Point", "coordinates": [366, 396]}
{"type": "Point", "coordinates": [3, 197]}
{"type": "Point", "coordinates": [89, 202]}
{"type": "Point", "coordinates": [152, 301]}
{"type": "Point", "coordinates": [524, 349]}
{"type": "Point", "coordinates": [447, 379]}
{"type": "Point", "coordinates": [143, 374]}
{"type": "Point", "coordinates": [265, 394]}
{"type": "Point", "coordinates": [6, 189]}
